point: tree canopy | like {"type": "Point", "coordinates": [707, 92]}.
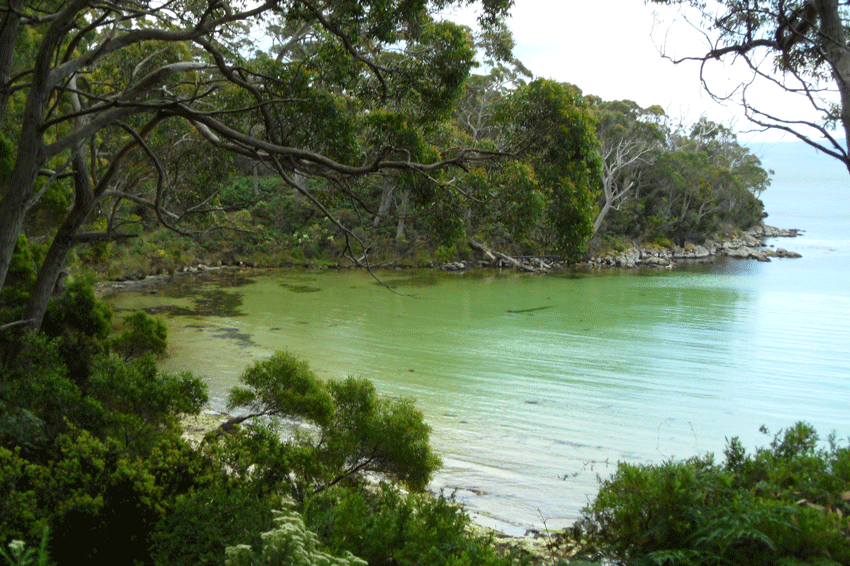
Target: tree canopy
{"type": "Point", "coordinates": [667, 182]}
{"type": "Point", "coordinates": [114, 101]}
{"type": "Point", "coordinates": [113, 113]}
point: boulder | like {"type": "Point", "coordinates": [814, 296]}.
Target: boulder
{"type": "Point", "coordinates": [741, 252]}
{"type": "Point", "coordinates": [691, 251]}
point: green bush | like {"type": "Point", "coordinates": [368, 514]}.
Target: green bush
{"type": "Point", "coordinates": [142, 334]}
{"type": "Point", "coordinates": [372, 433]}
{"type": "Point", "coordinates": [19, 279]}
{"type": "Point", "coordinates": [782, 505]}
{"type": "Point", "coordinates": [202, 524]}
{"type": "Point", "coordinates": [40, 400]}
{"type": "Point", "coordinates": [82, 323]}
{"type": "Point", "coordinates": [101, 503]}
{"type": "Point", "coordinates": [384, 526]}
{"type": "Point", "coordinates": [139, 399]}
{"type": "Point", "coordinates": [358, 431]}
{"type": "Point", "coordinates": [282, 386]}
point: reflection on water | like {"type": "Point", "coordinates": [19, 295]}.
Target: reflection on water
{"type": "Point", "coordinates": [534, 385]}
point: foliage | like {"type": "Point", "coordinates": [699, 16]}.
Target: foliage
{"type": "Point", "coordinates": [138, 399]}
{"type": "Point", "coordinates": [552, 126]}
{"type": "Point", "coordinates": [203, 523]}
{"type": "Point", "coordinates": [688, 186]}
{"type": "Point", "coordinates": [283, 386]}
{"type": "Point", "coordinates": [98, 500]}
{"type": "Point", "coordinates": [382, 526]}
{"type": "Point", "coordinates": [40, 400]}
{"type": "Point", "coordinates": [81, 323]}
{"type": "Point", "coordinates": [782, 505]}
{"type": "Point", "coordinates": [20, 278]}
{"type": "Point", "coordinates": [372, 433]}
{"type": "Point", "coordinates": [357, 431]}
{"type": "Point", "coordinates": [289, 543]}
{"type": "Point", "coordinates": [142, 334]}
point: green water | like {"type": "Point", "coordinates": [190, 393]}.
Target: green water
{"type": "Point", "coordinates": [528, 379]}
{"type": "Point", "coordinates": [536, 384]}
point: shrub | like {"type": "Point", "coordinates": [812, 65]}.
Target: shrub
{"type": "Point", "coordinates": [779, 506]}
{"type": "Point", "coordinates": [201, 525]}
{"type": "Point", "coordinates": [358, 431]}
{"type": "Point", "coordinates": [282, 386]}
{"type": "Point", "coordinates": [40, 400]}
{"type": "Point", "coordinates": [139, 399]}
{"type": "Point", "coordinates": [82, 323]}
{"type": "Point", "coordinates": [101, 503]}
{"type": "Point", "coordinates": [385, 526]}
{"type": "Point", "coordinates": [371, 433]}
{"type": "Point", "coordinates": [142, 334]}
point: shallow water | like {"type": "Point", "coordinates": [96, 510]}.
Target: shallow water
{"type": "Point", "coordinates": [534, 385]}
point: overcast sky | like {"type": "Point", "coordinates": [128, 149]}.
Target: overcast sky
{"type": "Point", "coordinates": [610, 48]}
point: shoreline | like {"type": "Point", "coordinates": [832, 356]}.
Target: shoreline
{"type": "Point", "coordinates": [748, 245]}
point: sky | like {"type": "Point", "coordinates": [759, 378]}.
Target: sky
{"type": "Point", "coordinates": [610, 48]}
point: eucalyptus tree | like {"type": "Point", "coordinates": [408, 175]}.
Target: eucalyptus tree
{"type": "Point", "coordinates": [800, 46]}
{"type": "Point", "coordinates": [631, 138]}
{"type": "Point", "coordinates": [700, 182]}
{"type": "Point", "coordinates": [360, 100]}
{"type": "Point", "coordinates": [553, 128]}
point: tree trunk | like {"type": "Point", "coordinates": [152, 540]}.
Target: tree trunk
{"type": "Point", "coordinates": [9, 31]}
{"type": "Point", "coordinates": [402, 212]}
{"type": "Point", "coordinates": [601, 216]}
{"type": "Point", "coordinates": [834, 43]}
{"type": "Point", "coordinates": [16, 201]}
{"type": "Point", "coordinates": [30, 156]}
{"type": "Point", "coordinates": [63, 241]}
{"type": "Point", "coordinates": [386, 201]}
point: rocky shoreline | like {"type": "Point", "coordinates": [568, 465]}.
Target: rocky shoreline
{"type": "Point", "coordinates": [748, 245]}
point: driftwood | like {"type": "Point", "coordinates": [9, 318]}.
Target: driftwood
{"type": "Point", "coordinates": [494, 255]}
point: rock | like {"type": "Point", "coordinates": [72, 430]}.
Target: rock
{"type": "Point", "coordinates": [454, 266]}
{"type": "Point", "coordinates": [742, 252]}
{"type": "Point", "coordinates": [764, 231]}
{"type": "Point", "coordinates": [782, 252]}
{"type": "Point", "coordinates": [691, 251]}
{"type": "Point", "coordinates": [751, 241]}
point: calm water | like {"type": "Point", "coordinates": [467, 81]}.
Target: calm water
{"type": "Point", "coordinates": [534, 385]}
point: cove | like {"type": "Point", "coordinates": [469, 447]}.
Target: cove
{"type": "Point", "coordinates": [532, 384]}
{"type": "Point", "coordinates": [535, 384]}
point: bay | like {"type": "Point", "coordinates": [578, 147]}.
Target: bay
{"type": "Point", "coordinates": [534, 385]}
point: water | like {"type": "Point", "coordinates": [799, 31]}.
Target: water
{"type": "Point", "coordinates": [534, 385]}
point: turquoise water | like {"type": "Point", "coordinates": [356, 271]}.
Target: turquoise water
{"type": "Point", "coordinates": [534, 385]}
